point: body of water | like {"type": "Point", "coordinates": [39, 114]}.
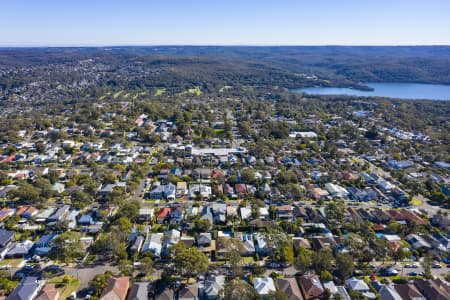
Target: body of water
{"type": "Point", "coordinates": [390, 90]}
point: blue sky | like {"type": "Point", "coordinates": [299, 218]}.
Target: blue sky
{"type": "Point", "coordinates": [224, 22]}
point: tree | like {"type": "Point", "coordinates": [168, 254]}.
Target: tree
{"type": "Point", "coordinates": [81, 199]}
{"type": "Point", "coordinates": [247, 175]}
{"type": "Point", "coordinates": [111, 245]}
{"type": "Point", "coordinates": [201, 225]}
{"type": "Point", "coordinates": [285, 253]}
{"type": "Point", "coordinates": [345, 265]}
{"type": "Point", "coordinates": [129, 210]}
{"type": "Point", "coordinates": [67, 247]}
{"type": "Point", "coordinates": [189, 261]}
{"type": "Point", "coordinates": [5, 283]}
{"type": "Point", "coordinates": [322, 260]}
{"type": "Point", "coordinates": [303, 261]}
{"type": "Point", "coordinates": [124, 225]}
{"type": "Point", "coordinates": [98, 283]}
{"type": "Point", "coordinates": [326, 276]}
{"type": "Point", "coordinates": [277, 295]}
{"type": "Point", "coordinates": [335, 211]}
{"type": "Point", "coordinates": [238, 289]}
{"type": "Point", "coordinates": [146, 266]}
{"type": "Point", "coordinates": [426, 263]}
{"type": "Point", "coordinates": [234, 249]}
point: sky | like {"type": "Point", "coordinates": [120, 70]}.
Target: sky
{"type": "Point", "coordinates": [224, 22]}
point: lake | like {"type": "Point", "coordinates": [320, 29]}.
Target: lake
{"type": "Point", "coordinates": [390, 90]}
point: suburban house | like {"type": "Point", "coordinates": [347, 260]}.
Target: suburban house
{"type": "Point", "coordinates": [188, 292]}
{"type": "Point", "coordinates": [264, 286]}
{"type": "Point", "coordinates": [116, 289]}
{"type": "Point", "coordinates": [49, 292]}
{"type": "Point", "coordinates": [290, 288]}
{"type": "Point", "coordinates": [28, 289]}
{"type": "Point", "coordinates": [311, 287]}
{"type": "Point", "coordinates": [139, 291]}
{"type": "Point", "coordinates": [358, 285]}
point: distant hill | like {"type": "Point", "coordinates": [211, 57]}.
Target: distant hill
{"type": "Point", "coordinates": [263, 66]}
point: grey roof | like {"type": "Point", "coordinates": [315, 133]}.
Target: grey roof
{"type": "Point", "coordinates": [5, 237]}
{"type": "Point", "coordinates": [139, 291]}
{"type": "Point", "coordinates": [27, 289]}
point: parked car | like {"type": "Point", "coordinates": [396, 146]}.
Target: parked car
{"type": "Point", "coordinates": [437, 266]}
{"type": "Point", "coordinates": [412, 273]}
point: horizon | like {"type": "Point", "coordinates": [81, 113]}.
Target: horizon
{"type": "Point", "coordinates": [219, 45]}
{"type": "Point", "coordinates": [102, 23]}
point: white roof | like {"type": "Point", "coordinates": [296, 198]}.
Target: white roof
{"type": "Point", "coordinates": [264, 286]}
{"type": "Point", "coordinates": [356, 284]}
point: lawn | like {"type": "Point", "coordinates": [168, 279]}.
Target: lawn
{"type": "Point", "coordinates": [160, 92]}
{"type": "Point", "coordinates": [13, 262]}
{"type": "Point", "coordinates": [415, 202]}
{"type": "Point", "coordinates": [225, 87]}
{"type": "Point", "coordinates": [193, 91]}
{"type": "Point", "coordinates": [116, 95]}
{"type": "Point", "coordinates": [219, 131]}
{"type": "Point", "coordinates": [68, 288]}
{"type": "Point", "coordinates": [248, 260]}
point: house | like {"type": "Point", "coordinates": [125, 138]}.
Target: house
{"type": "Point", "coordinates": [27, 289]}
{"type": "Point", "coordinates": [172, 237]}
{"type": "Point", "coordinates": [261, 246]}
{"type": "Point", "coordinates": [85, 220]}
{"type": "Point", "coordinates": [241, 189]}
{"type": "Point", "coordinates": [20, 249]}
{"type": "Point", "coordinates": [249, 245]}
{"type": "Point", "coordinates": [59, 215]}
{"type": "Point", "coordinates": [431, 289]}
{"type": "Point", "coordinates": [358, 285]}
{"type": "Point", "coordinates": [219, 212]}
{"type": "Point", "coordinates": [5, 212]}
{"type": "Point", "coordinates": [43, 246]}
{"type": "Point", "coordinates": [153, 243]}
{"type": "Point", "coordinates": [137, 244]}
{"type": "Point", "coordinates": [388, 292]}
{"type": "Point", "coordinates": [336, 190]}
{"type": "Point", "coordinates": [197, 189]}
{"type": "Point", "coordinates": [176, 215]}
{"type": "Point", "coordinates": [163, 213]}
{"type": "Point", "coordinates": [181, 189]}
{"type": "Point", "coordinates": [285, 212]}
{"type": "Point", "coordinates": [290, 288]}
{"type": "Point", "coordinates": [188, 292]}
{"type": "Point", "coordinates": [166, 294]}
{"type": "Point", "coordinates": [311, 287]}
{"type": "Point", "coordinates": [26, 211]}
{"type": "Point", "coordinates": [204, 239]}
{"type": "Point", "coordinates": [116, 289]}
{"type": "Point", "coordinates": [6, 237]}
{"type": "Point", "coordinates": [157, 192]}
{"type": "Point", "coordinates": [300, 242]}
{"type": "Point", "coordinates": [417, 242]}
{"type": "Point", "coordinates": [212, 287]}
{"type": "Point", "coordinates": [408, 291]}
{"type": "Point", "coordinates": [139, 291]}
{"type": "Point", "coordinates": [145, 214]}
{"type": "Point", "coordinates": [49, 292]}
{"type": "Point", "coordinates": [264, 286]}
{"type": "Point", "coordinates": [207, 214]}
